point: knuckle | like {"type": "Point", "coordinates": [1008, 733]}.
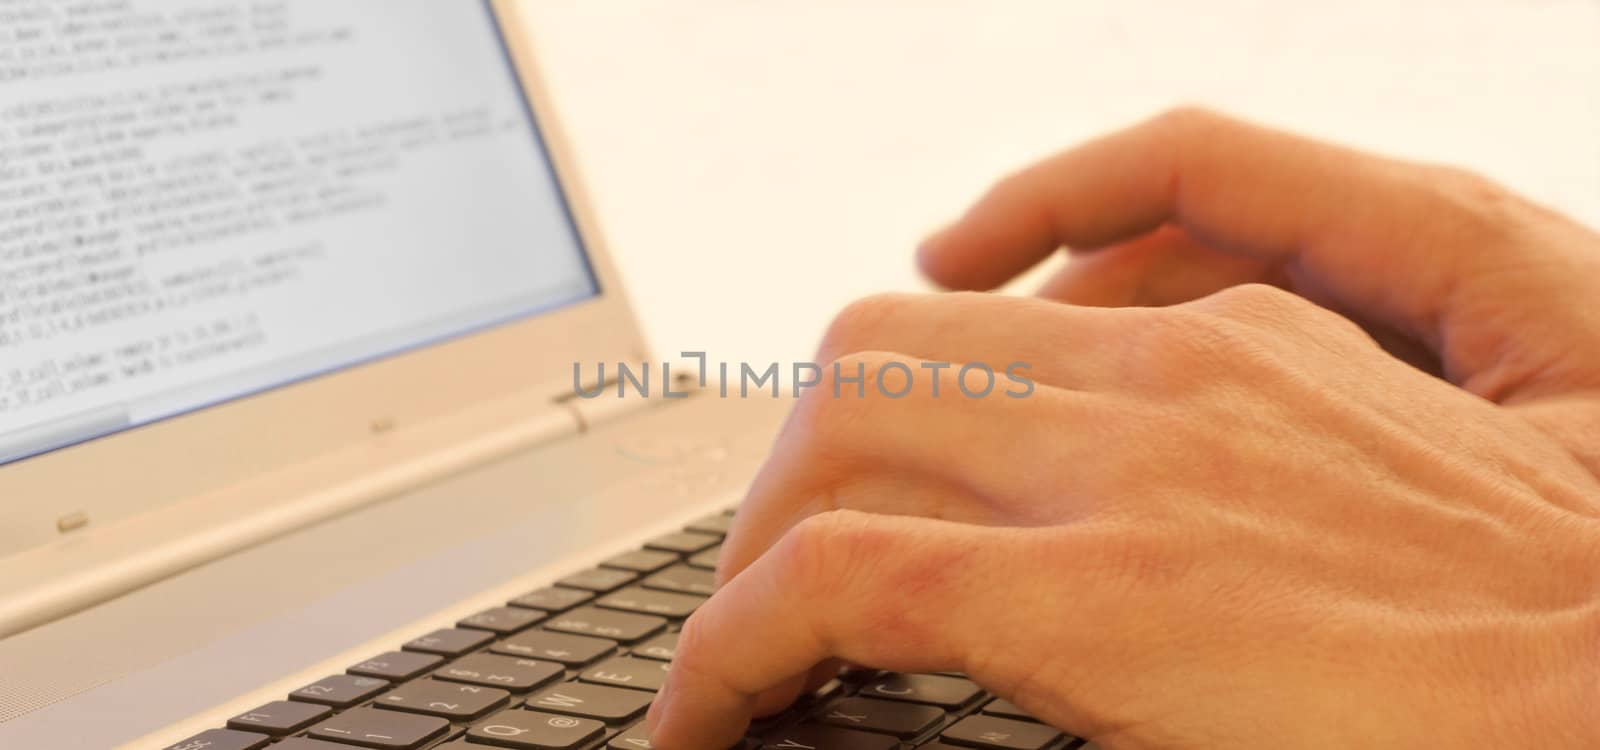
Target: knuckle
{"type": "Point", "coordinates": [1269, 311]}
{"type": "Point", "coordinates": [818, 550]}
{"type": "Point", "coordinates": [1255, 300]}
{"type": "Point", "coordinates": [1013, 187]}
{"type": "Point", "coordinates": [1187, 330]}
{"type": "Point", "coordinates": [860, 322]}
{"type": "Point", "coordinates": [1189, 346]}
{"type": "Point", "coordinates": [699, 652]}
{"type": "Point", "coordinates": [822, 425]}
{"type": "Point", "coordinates": [856, 376]}
{"type": "Point", "coordinates": [1249, 295]}
{"type": "Point", "coordinates": [866, 361]}
{"type": "Point", "coordinates": [832, 417]}
{"type": "Point", "coordinates": [1482, 206]}
{"type": "Point", "coordinates": [1469, 185]}
{"type": "Point", "coordinates": [824, 407]}
{"type": "Point", "coordinates": [1187, 121]}
{"type": "Point", "coordinates": [694, 646]}
{"type": "Point", "coordinates": [867, 568]}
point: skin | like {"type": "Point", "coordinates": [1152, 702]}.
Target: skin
{"type": "Point", "coordinates": [1311, 463]}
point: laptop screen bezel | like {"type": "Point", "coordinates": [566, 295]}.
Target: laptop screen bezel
{"type": "Point", "coordinates": [148, 467]}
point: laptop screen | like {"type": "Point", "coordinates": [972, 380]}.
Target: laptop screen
{"type": "Point", "coordinates": [205, 199]}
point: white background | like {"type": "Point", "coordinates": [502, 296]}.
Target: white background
{"type": "Point", "coordinates": [759, 163]}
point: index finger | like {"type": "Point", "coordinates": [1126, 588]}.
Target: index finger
{"type": "Point", "coordinates": [892, 592]}
{"type": "Point", "coordinates": [1239, 187]}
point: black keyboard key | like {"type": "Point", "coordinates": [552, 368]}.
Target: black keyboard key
{"type": "Point", "coordinates": [905, 720]}
{"type": "Point", "coordinates": [533, 730]}
{"type": "Point", "coordinates": [389, 730]}
{"type": "Point", "coordinates": [937, 690]}
{"type": "Point", "coordinates": [608, 704]}
{"type": "Point", "coordinates": [507, 672]}
{"type": "Point", "coordinates": [599, 580]}
{"type": "Point", "coordinates": [552, 599]}
{"type": "Point", "coordinates": [707, 560]}
{"type": "Point", "coordinates": [340, 690]}
{"type": "Point", "coordinates": [641, 560]}
{"type": "Point", "coordinates": [821, 737]}
{"type": "Point", "coordinates": [831, 689]}
{"type": "Point", "coordinates": [683, 542]}
{"type": "Point", "coordinates": [397, 666]}
{"type": "Point", "coordinates": [858, 675]}
{"type": "Point", "coordinates": [571, 650]}
{"type": "Point", "coordinates": [1007, 710]}
{"type": "Point", "coordinates": [222, 739]}
{"type": "Point", "coordinates": [306, 743]}
{"type": "Point", "coordinates": [449, 641]}
{"type": "Point", "coordinates": [636, 737]}
{"type": "Point", "coordinates": [502, 620]}
{"type": "Point", "coordinates": [683, 579]}
{"type": "Point", "coordinates": [802, 707]}
{"type": "Point", "coordinates": [716, 523]}
{"type": "Point", "coordinates": [447, 700]}
{"type": "Point", "coordinates": [662, 647]}
{"type": "Point", "coordinates": [645, 601]}
{"type": "Point", "coordinates": [279, 718]}
{"type": "Point", "coordinates": [628, 672]}
{"type": "Point", "coordinates": [762, 724]}
{"type": "Point", "coordinates": [995, 733]}
{"type": "Point", "coordinates": [603, 623]}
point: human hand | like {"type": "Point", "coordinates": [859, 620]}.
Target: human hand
{"type": "Point", "coordinates": [1446, 270]}
{"type": "Point", "coordinates": [1232, 522]}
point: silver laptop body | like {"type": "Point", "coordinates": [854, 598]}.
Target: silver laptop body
{"type": "Point", "coordinates": [296, 299]}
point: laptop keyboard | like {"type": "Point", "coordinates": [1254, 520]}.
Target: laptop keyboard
{"type": "Point", "coordinates": [574, 666]}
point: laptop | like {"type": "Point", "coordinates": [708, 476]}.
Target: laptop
{"type": "Point", "coordinates": [311, 429]}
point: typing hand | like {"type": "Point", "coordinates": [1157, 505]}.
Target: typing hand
{"type": "Point", "coordinates": [1227, 519]}
{"type": "Point", "coordinates": [1444, 269]}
